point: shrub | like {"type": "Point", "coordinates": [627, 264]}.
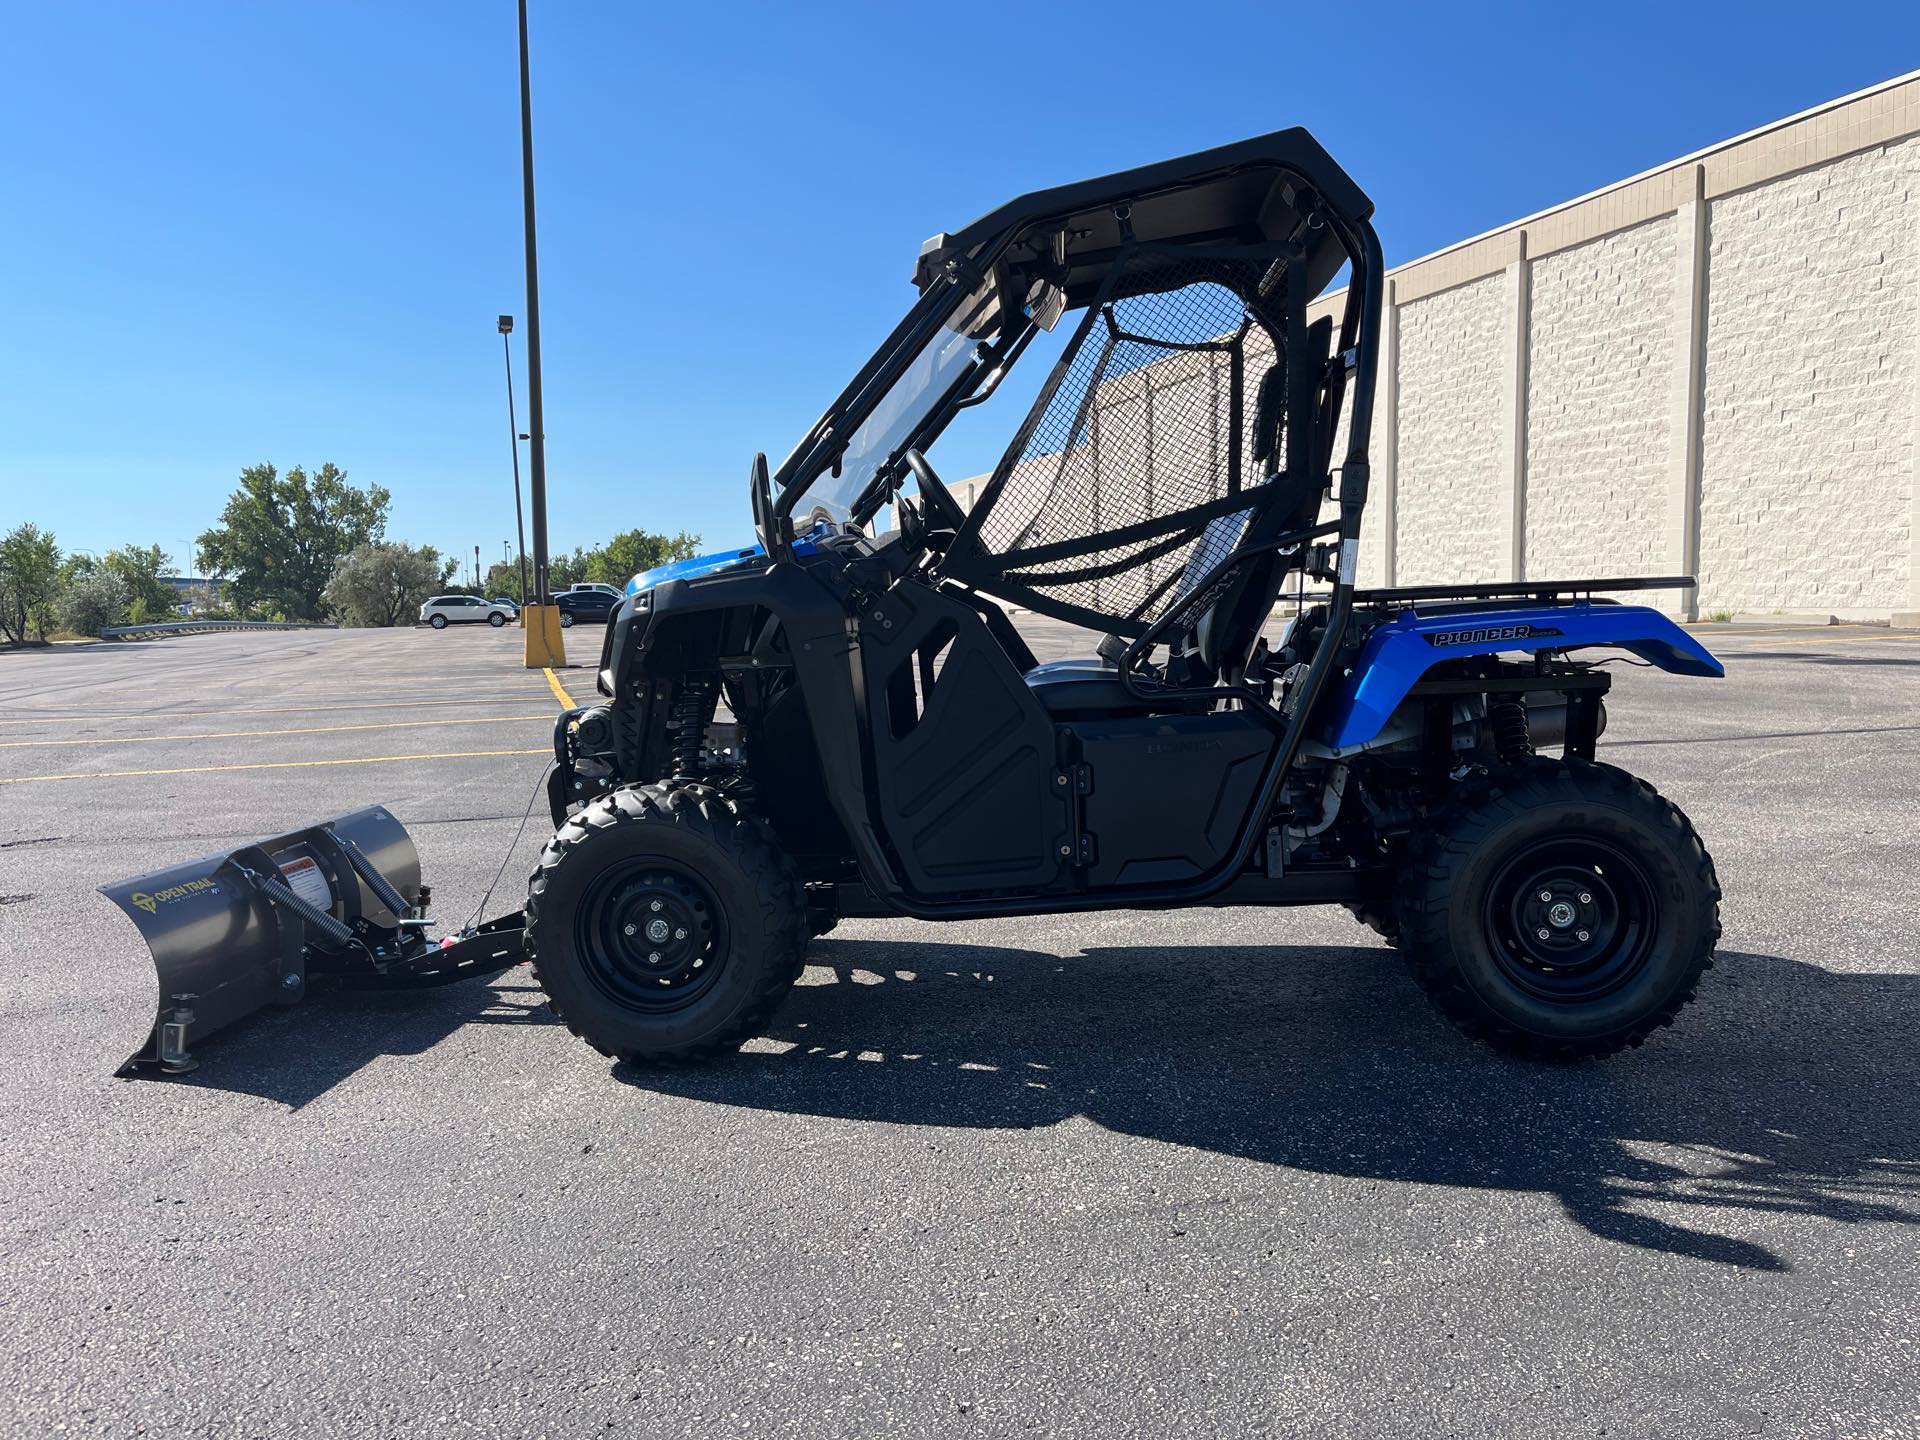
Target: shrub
{"type": "Point", "coordinates": [93, 602]}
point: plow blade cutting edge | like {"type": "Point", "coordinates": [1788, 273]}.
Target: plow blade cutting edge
{"type": "Point", "coordinates": [340, 903]}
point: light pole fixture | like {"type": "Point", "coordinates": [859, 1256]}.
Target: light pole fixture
{"type": "Point", "coordinates": [513, 443]}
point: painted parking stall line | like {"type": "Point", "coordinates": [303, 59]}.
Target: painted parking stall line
{"type": "Point", "coordinates": [268, 765]}
{"type": "Point", "coordinates": [260, 734]}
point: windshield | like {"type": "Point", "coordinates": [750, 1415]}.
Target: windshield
{"type": "Point", "coordinates": [921, 387]}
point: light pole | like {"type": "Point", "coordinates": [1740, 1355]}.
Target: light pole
{"type": "Point", "coordinates": [513, 442]}
{"type": "Point", "coordinates": [544, 644]}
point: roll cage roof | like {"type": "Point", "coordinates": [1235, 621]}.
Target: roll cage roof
{"type": "Point", "coordinates": [1232, 194]}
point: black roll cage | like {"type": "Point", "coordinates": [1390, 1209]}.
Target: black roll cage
{"type": "Point", "coordinates": [1357, 351]}
{"type": "Point", "coordinates": [952, 267]}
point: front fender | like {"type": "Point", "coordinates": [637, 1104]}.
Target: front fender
{"type": "Point", "coordinates": [1404, 648]}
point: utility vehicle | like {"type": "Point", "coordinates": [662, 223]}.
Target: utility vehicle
{"type": "Point", "coordinates": [841, 720]}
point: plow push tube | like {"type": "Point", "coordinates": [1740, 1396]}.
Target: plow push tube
{"type": "Point", "coordinates": [340, 901]}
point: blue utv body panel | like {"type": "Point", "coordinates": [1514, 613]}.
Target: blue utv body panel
{"type": "Point", "coordinates": [1402, 649]}
{"type": "Point", "coordinates": [698, 565]}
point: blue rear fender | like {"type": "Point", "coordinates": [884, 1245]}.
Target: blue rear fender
{"type": "Point", "coordinates": [1404, 648]}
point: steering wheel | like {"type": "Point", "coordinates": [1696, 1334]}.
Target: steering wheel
{"type": "Point", "coordinates": [943, 510]}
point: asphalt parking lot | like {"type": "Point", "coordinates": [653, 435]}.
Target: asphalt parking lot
{"type": "Point", "coordinates": [1131, 1174]}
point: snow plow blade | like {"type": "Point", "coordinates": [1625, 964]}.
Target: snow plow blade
{"type": "Point", "coordinates": [337, 903]}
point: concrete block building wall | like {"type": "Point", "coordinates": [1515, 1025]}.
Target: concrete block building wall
{"type": "Point", "coordinates": [1807, 435]}
{"type": "Point", "coordinates": [1598, 437]}
{"type": "Point", "coordinates": [1714, 370]}
{"type": "Point", "coordinates": [1450, 522]}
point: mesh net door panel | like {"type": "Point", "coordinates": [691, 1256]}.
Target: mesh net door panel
{"type": "Point", "coordinates": [1153, 417]}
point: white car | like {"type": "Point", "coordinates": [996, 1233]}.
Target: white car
{"type": "Point", "coordinates": [613, 590]}
{"type": "Point", "coordinates": [445, 610]}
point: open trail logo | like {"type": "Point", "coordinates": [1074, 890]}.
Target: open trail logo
{"type": "Point", "coordinates": [152, 902]}
{"type": "Point", "coordinates": [1492, 634]}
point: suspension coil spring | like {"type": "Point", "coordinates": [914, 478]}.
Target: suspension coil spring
{"type": "Point", "coordinates": [1510, 734]}
{"type": "Point", "coordinates": [689, 725]}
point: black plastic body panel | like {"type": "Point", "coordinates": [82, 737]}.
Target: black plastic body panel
{"type": "Point", "coordinates": [963, 755]}
{"type": "Point", "coordinates": [1168, 793]}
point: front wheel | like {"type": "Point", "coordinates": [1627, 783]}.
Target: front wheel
{"type": "Point", "coordinates": [438, 622]}
{"type": "Point", "coordinates": [664, 924]}
{"type": "Point", "coordinates": [496, 619]}
{"type": "Point", "coordinates": [566, 619]}
{"type": "Point", "coordinates": [1559, 909]}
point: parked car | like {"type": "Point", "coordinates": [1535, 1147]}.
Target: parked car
{"type": "Point", "coordinates": [593, 605]}
{"type": "Point", "coordinates": [586, 587]}
{"type": "Point", "coordinates": [444, 610]}
{"type": "Point", "coordinates": [512, 605]}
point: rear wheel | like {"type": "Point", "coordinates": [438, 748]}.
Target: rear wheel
{"type": "Point", "coordinates": [663, 924]}
{"type": "Point", "coordinates": [1559, 909]}
{"type": "Point", "coordinates": [438, 622]}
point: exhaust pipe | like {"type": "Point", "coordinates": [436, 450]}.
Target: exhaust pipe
{"type": "Point", "coordinates": [340, 902]}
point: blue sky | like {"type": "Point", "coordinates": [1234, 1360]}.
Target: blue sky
{"type": "Point", "coordinates": [275, 231]}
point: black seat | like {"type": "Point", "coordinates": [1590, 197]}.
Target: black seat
{"type": "Point", "coordinates": [1078, 687]}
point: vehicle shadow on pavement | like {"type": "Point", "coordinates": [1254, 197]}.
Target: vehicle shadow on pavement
{"type": "Point", "coordinates": [1786, 1089]}
{"type": "Point", "coordinates": [295, 1056]}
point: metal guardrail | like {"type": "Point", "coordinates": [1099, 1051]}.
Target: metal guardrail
{"type": "Point", "coordinates": [194, 627]}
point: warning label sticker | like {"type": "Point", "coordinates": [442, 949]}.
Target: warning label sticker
{"type": "Point", "coordinates": [304, 878]}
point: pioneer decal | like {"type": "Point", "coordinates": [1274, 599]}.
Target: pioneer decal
{"type": "Point", "coordinates": [1492, 635]}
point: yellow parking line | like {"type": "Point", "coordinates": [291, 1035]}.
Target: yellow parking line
{"type": "Point", "coordinates": [254, 734]}
{"type": "Point", "coordinates": [560, 691]}
{"type": "Point", "coordinates": [270, 765]}
{"type": "Point", "coordinates": [319, 704]}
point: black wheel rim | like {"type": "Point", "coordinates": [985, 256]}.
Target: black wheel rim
{"type": "Point", "coordinates": [1571, 920]}
{"type": "Point", "coordinates": [650, 936]}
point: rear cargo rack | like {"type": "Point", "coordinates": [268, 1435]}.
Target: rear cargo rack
{"type": "Point", "coordinates": [1521, 589]}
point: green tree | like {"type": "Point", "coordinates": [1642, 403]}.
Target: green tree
{"type": "Point", "coordinates": [565, 570]}
{"type": "Point", "coordinates": [447, 565]}
{"type": "Point", "coordinates": [139, 568]}
{"type": "Point", "coordinates": [632, 551]}
{"type": "Point", "coordinates": [383, 584]}
{"type": "Point", "coordinates": [29, 582]}
{"type": "Point", "coordinates": [503, 580]}
{"type": "Point", "coordinates": [94, 599]}
{"type": "Point", "coordinates": [279, 536]}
